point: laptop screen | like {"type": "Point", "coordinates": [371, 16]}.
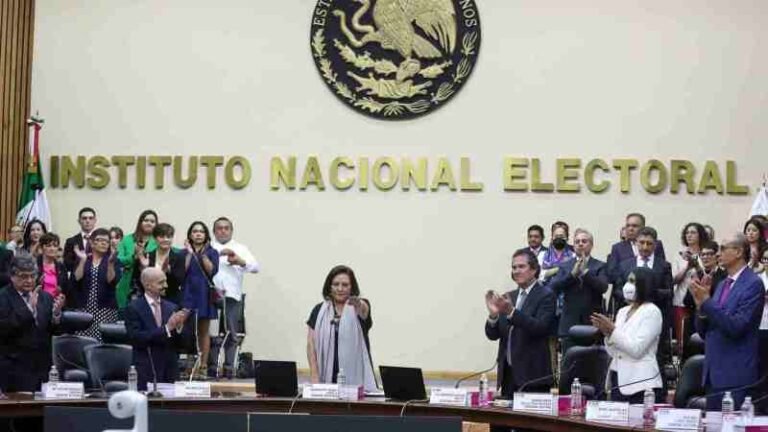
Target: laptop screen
{"type": "Point", "coordinates": [276, 378]}
{"type": "Point", "coordinates": [403, 384]}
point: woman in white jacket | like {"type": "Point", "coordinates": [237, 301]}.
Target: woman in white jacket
{"type": "Point", "coordinates": [632, 340]}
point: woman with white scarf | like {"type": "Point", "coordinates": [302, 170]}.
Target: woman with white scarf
{"type": "Point", "coordinates": [337, 332]}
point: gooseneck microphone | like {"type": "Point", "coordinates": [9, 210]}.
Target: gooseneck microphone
{"type": "Point", "coordinates": [474, 374]}
{"type": "Point", "coordinates": [604, 391]}
{"type": "Point", "coordinates": [734, 389]}
{"type": "Point", "coordinates": [154, 393]}
{"type": "Point", "coordinates": [546, 377]}
{"type": "Point", "coordinates": [74, 365]}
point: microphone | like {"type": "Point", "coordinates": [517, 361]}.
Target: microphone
{"type": "Point", "coordinates": [154, 393]}
{"type": "Point", "coordinates": [718, 393]}
{"type": "Point", "coordinates": [474, 374]}
{"type": "Point", "coordinates": [604, 391]}
{"type": "Point", "coordinates": [74, 365]}
{"type": "Point", "coordinates": [527, 383]}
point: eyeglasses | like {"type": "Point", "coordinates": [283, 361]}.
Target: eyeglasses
{"type": "Point", "coordinates": [25, 276]}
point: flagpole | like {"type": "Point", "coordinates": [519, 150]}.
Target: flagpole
{"type": "Point", "coordinates": [36, 123]}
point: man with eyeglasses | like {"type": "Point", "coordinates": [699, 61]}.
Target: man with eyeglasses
{"type": "Point", "coordinates": [86, 218]}
{"type": "Point", "coordinates": [582, 281]}
{"type": "Point", "coordinates": [728, 321]}
{"type": "Point", "coordinates": [28, 318]}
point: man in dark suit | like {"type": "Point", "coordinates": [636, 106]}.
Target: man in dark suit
{"type": "Point", "coordinates": [28, 318]}
{"type": "Point", "coordinates": [647, 239]}
{"type": "Point", "coordinates": [583, 281]}
{"type": "Point", "coordinates": [521, 320]}
{"type": "Point", "coordinates": [5, 267]}
{"type": "Point", "coordinates": [535, 235]}
{"type": "Point", "coordinates": [86, 217]}
{"type": "Point", "coordinates": [729, 321]}
{"type": "Point", "coordinates": [154, 329]}
{"type": "Point", "coordinates": [627, 248]}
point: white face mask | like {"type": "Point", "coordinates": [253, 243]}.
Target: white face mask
{"type": "Point", "coordinates": [629, 291]}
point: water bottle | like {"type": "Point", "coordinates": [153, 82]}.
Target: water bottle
{"type": "Point", "coordinates": [482, 398]}
{"type": "Point", "coordinates": [133, 379]}
{"type": "Point", "coordinates": [649, 399]}
{"type": "Point", "coordinates": [53, 375]}
{"type": "Point", "coordinates": [341, 379]}
{"type": "Point", "coordinates": [727, 408]}
{"type": "Point", "coordinates": [747, 411]}
{"type": "Point", "coordinates": [575, 398]}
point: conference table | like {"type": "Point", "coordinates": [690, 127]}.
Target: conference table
{"type": "Point", "coordinates": [23, 406]}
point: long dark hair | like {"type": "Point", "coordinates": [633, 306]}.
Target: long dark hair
{"type": "Point", "coordinates": [27, 241]}
{"type": "Point", "coordinates": [703, 235]}
{"type": "Point", "coordinates": [643, 285]}
{"type": "Point", "coordinates": [205, 229]}
{"type": "Point", "coordinates": [145, 213]}
{"type": "Point", "coordinates": [757, 223]}
{"type": "Point", "coordinates": [340, 269]}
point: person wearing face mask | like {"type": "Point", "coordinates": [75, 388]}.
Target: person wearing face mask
{"type": "Point", "coordinates": [632, 340]}
{"type": "Point", "coordinates": [337, 332]}
{"type": "Point", "coordinates": [558, 252]}
{"type": "Point", "coordinates": [582, 282]}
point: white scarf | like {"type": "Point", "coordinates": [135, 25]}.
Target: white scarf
{"type": "Point", "coordinates": [354, 358]}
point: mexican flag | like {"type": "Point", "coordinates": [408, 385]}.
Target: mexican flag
{"type": "Point", "coordinates": [32, 201]}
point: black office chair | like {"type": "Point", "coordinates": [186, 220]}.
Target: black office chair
{"type": "Point", "coordinates": [694, 346]}
{"type": "Point", "coordinates": [586, 361]}
{"type": "Point", "coordinates": [114, 333]}
{"type": "Point", "coordinates": [689, 389]}
{"type": "Point", "coordinates": [75, 321]}
{"type": "Point", "coordinates": [108, 365]}
{"type": "Point", "coordinates": [68, 352]}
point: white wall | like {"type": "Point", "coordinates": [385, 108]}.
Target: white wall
{"type": "Point", "coordinates": [604, 78]}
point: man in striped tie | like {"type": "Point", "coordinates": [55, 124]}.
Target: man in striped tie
{"type": "Point", "coordinates": [728, 321]}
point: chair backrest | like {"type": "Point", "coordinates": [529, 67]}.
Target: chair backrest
{"type": "Point", "coordinates": [74, 321]}
{"type": "Point", "coordinates": [587, 363]}
{"type": "Point", "coordinates": [689, 385]}
{"type": "Point", "coordinates": [108, 362]}
{"type": "Point", "coordinates": [68, 352]}
{"type": "Point", "coordinates": [114, 333]}
{"type": "Point", "coordinates": [583, 335]}
{"type": "Point", "coordinates": [694, 346]}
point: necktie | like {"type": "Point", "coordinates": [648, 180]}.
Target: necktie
{"type": "Point", "coordinates": [645, 262]}
{"type": "Point", "coordinates": [156, 312]}
{"type": "Point", "coordinates": [86, 238]}
{"type": "Point", "coordinates": [726, 290]}
{"type": "Point", "coordinates": [519, 305]}
{"type": "Point", "coordinates": [25, 295]}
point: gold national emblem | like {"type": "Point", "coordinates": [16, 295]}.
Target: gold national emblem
{"type": "Point", "coordinates": [395, 59]}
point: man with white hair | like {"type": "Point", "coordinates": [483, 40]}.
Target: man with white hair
{"type": "Point", "coordinates": [583, 281]}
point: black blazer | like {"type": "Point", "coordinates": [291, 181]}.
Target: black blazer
{"type": "Point", "coordinates": [662, 285]}
{"type": "Point", "coordinates": [106, 290]}
{"type": "Point", "coordinates": [25, 357]}
{"type": "Point", "coordinates": [175, 273]}
{"type": "Point", "coordinates": [622, 251]}
{"type": "Point", "coordinates": [146, 337]}
{"type": "Point", "coordinates": [70, 258]}
{"type": "Point", "coordinates": [5, 266]}
{"type": "Point", "coordinates": [582, 296]}
{"type": "Point", "coordinates": [530, 347]}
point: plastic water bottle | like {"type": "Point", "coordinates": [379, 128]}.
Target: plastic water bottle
{"type": "Point", "coordinates": [747, 411]}
{"type": "Point", "coordinates": [133, 379]}
{"type": "Point", "coordinates": [341, 379]}
{"type": "Point", "coordinates": [649, 399]}
{"type": "Point", "coordinates": [576, 398]}
{"type": "Point", "coordinates": [53, 375]}
{"type": "Point", "coordinates": [482, 397]}
{"type": "Point", "coordinates": [727, 408]}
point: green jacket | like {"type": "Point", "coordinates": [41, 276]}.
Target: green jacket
{"type": "Point", "coordinates": [125, 253]}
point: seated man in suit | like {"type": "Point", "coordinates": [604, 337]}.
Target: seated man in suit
{"type": "Point", "coordinates": [521, 320]}
{"type": "Point", "coordinates": [729, 321]}
{"type": "Point", "coordinates": [28, 318]}
{"type": "Point", "coordinates": [583, 282]}
{"type": "Point", "coordinates": [628, 248]}
{"type": "Point", "coordinates": [661, 287]}
{"type": "Point", "coordinates": [154, 328]}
